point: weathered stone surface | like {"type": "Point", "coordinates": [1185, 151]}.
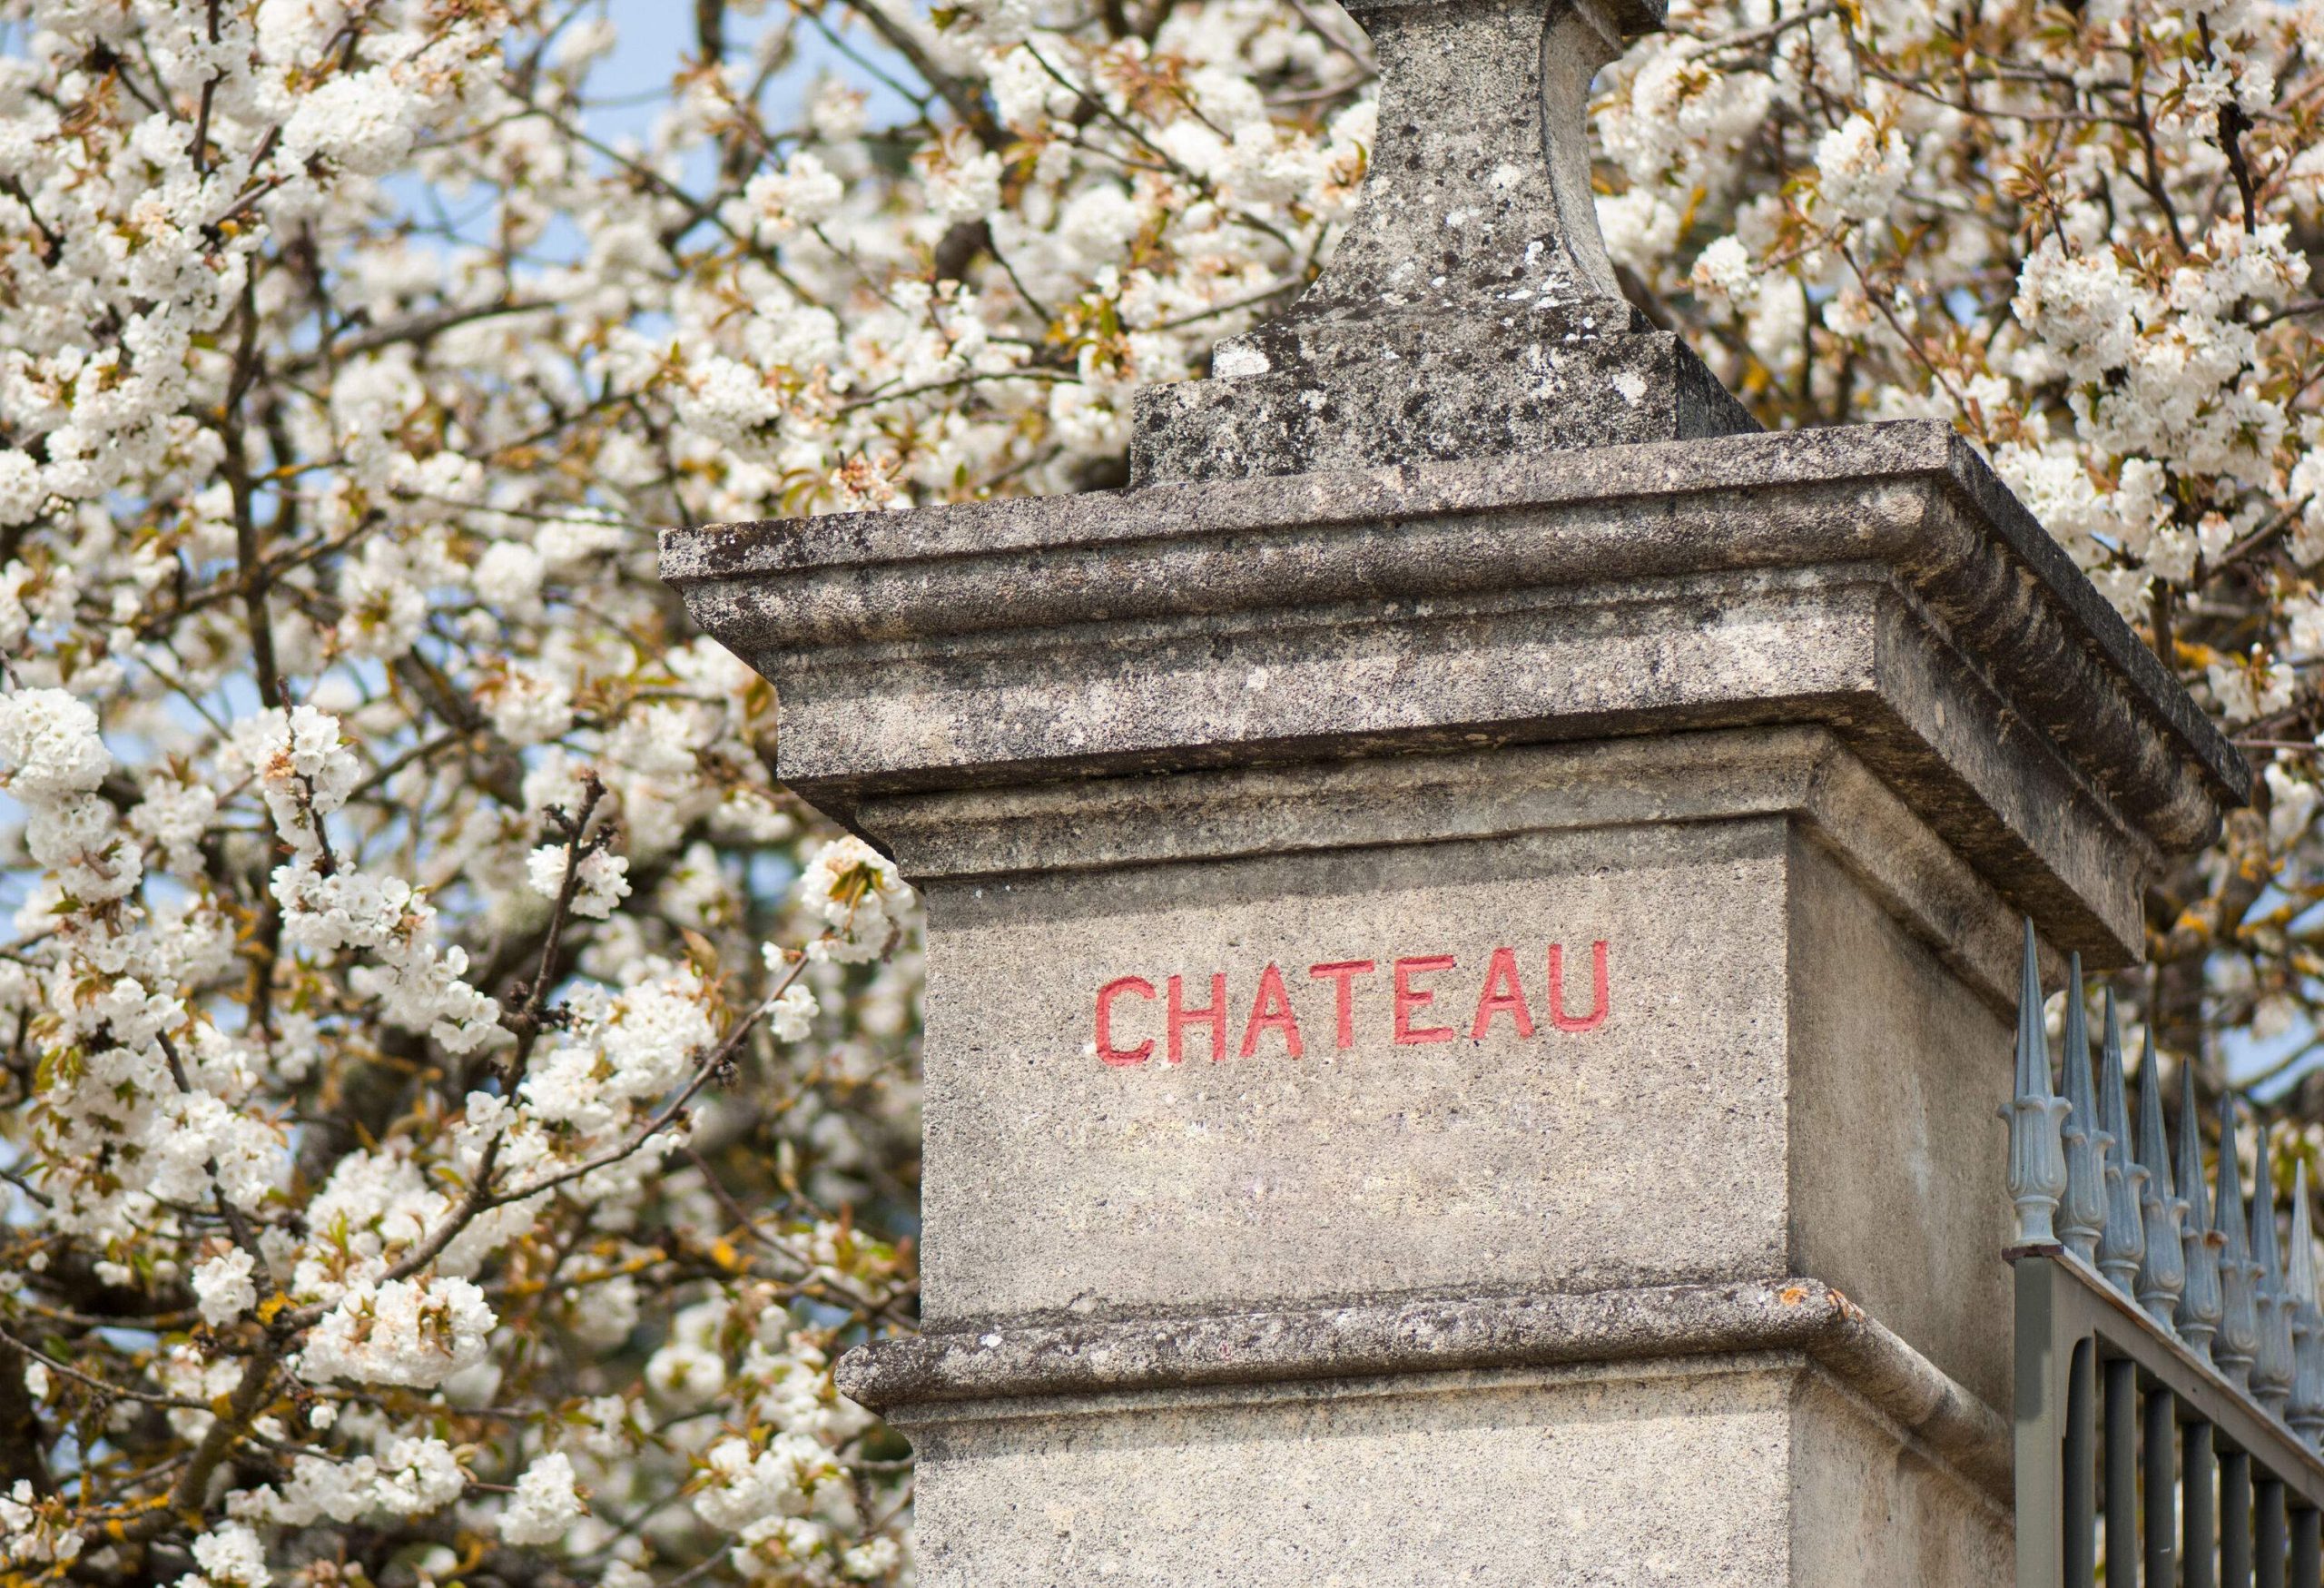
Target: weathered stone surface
{"type": "Point", "coordinates": [1471, 310]}
{"type": "Point", "coordinates": [1477, 197]}
{"type": "Point", "coordinates": [1771, 915]}
{"type": "Point", "coordinates": [1705, 1472]}
{"type": "Point", "coordinates": [1364, 395]}
{"type": "Point", "coordinates": [1876, 579]}
{"type": "Point", "coordinates": [1867, 1507]}
{"type": "Point", "coordinates": [1055, 1182]}
{"type": "Point", "coordinates": [1792, 724]}
{"type": "Point", "coordinates": [1894, 1148]}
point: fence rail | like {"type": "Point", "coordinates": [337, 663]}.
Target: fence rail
{"type": "Point", "coordinates": [2170, 1376]}
{"type": "Point", "coordinates": [2130, 1451]}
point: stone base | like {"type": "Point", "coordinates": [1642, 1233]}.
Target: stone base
{"type": "Point", "coordinates": [1751, 1469]}
{"type": "Point", "coordinates": [1412, 394]}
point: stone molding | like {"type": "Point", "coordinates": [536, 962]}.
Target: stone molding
{"type": "Point", "coordinates": [1910, 495]}
{"type": "Point", "coordinates": [993, 835]}
{"type": "Point", "coordinates": [1438, 1334]}
{"type": "Point", "coordinates": [1877, 580]}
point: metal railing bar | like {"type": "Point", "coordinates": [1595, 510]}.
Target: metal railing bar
{"type": "Point", "coordinates": [2082, 1466]}
{"type": "Point", "coordinates": [2038, 1425]}
{"type": "Point", "coordinates": [2122, 1473]}
{"type": "Point", "coordinates": [2145, 1300]}
{"type": "Point", "coordinates": [2084, 1354]}
{"type": "Point", "coordinates": [2234, 1519]}
{"type": "Point", "coordinates": [2079, 1303]}
{"type": "Point", "coordinates": [2201, 1533]}
{"type": "Point", "coordinates": [2270, 1541]}
{"type": "Point", "coordinates": [2159, 1447]}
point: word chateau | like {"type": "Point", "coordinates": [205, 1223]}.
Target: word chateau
{"type": "Point", "coordinates": [1419, 993]}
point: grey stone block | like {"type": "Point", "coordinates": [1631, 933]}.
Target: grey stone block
{"type": "Point", "coordinates": [1793, 723]}
{"type": "Point", "coordinates": [1471, 310]}
{"type": "Point", "coordinates": [1772, 916]}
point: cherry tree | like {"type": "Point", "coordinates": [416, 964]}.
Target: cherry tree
{"type": "Point", "coordinates": [455, 1104]}
{"type": "Point", "coordinates": [2084, 235]}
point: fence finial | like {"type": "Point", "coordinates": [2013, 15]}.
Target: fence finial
{"type": "Point", "coordinates": [2163, 1272]}
{"type": "Point", "coordinates": [2082, 1215]}
{"type": "Point", "coordinates": [2122, 1243]}
{"type": "Point", "coordinates": [2305, 1410]}
{"type": "Point", "coordinates": [2271, 1365]}
{"type": "Point", "coordinates": [2200, 1304]}
{"type": "Point", "coordinates": [2037, 1169]}
{"type": "Point", "coordinates": [2237, 1340]}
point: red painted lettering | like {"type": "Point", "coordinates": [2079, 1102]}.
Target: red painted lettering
{"type": "Point", "coordinates": [1279, 1018]}
{"type": "Point", "coordinates": [1344, 972]}
{"type": "Point", "coordinates": [1504, 992]}
{"type": "Point", "coordinates": [1215, 1016]}
{"type": "Point", "coordinates": [1106, 996]}
{"type": "Point", "coordinates": [1410, 997]}
{"type": "Point", "coordinates": [1598, 1000]}
{"type": "Point", "coordinates": [1501, 974]}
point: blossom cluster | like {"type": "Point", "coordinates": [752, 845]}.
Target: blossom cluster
{"type": "Point", "coordinates": [2087, 236]}
{"type": "Point", "coordinates": [453, 1099]}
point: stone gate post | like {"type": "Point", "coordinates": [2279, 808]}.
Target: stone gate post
{"type": "Point", "coordinates": [1471, 923]}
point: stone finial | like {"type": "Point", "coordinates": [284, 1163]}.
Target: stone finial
{"type": "Point", "coordinates": [2163, 1271]}
{"type": "Point", "coordinates": [2037, 1170]}
{"type": "Point", "coordinates": [1471, 309]}
{"type": "Point", "coordinates": [2306, 1409]}
{"type": "Point", "coordinates": [2237, 1340]}
{"type": "Point", "coordinates": [2271, 1361]}
{"type": "Point", "coordinates": [1477, 195]}
{"type": "Point", "coordinates": [2082, 1215]}
{"type": "Point", "coordinates": [2121, 1245]}
{"type": "Point", "coordinates": [2200, 1304]}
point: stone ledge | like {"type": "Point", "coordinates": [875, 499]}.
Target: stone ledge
{"type": "Point", "coordinates": [1443, 1335]}
{"type": "Point", "coordinates": [833, 596]}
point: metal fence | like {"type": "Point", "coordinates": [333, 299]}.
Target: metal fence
{"type": "Point", "coordinates": [2170, 1354]}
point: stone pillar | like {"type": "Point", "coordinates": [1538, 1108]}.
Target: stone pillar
{"type": "Point", "coordinates": [1468, 1002]}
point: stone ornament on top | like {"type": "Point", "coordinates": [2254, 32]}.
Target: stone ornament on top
{"type": "Point", "coordinates": [1471, 310]}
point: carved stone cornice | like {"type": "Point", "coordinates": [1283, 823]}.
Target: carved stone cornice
{"type": "Point", "coordinates": [1877, 580]}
